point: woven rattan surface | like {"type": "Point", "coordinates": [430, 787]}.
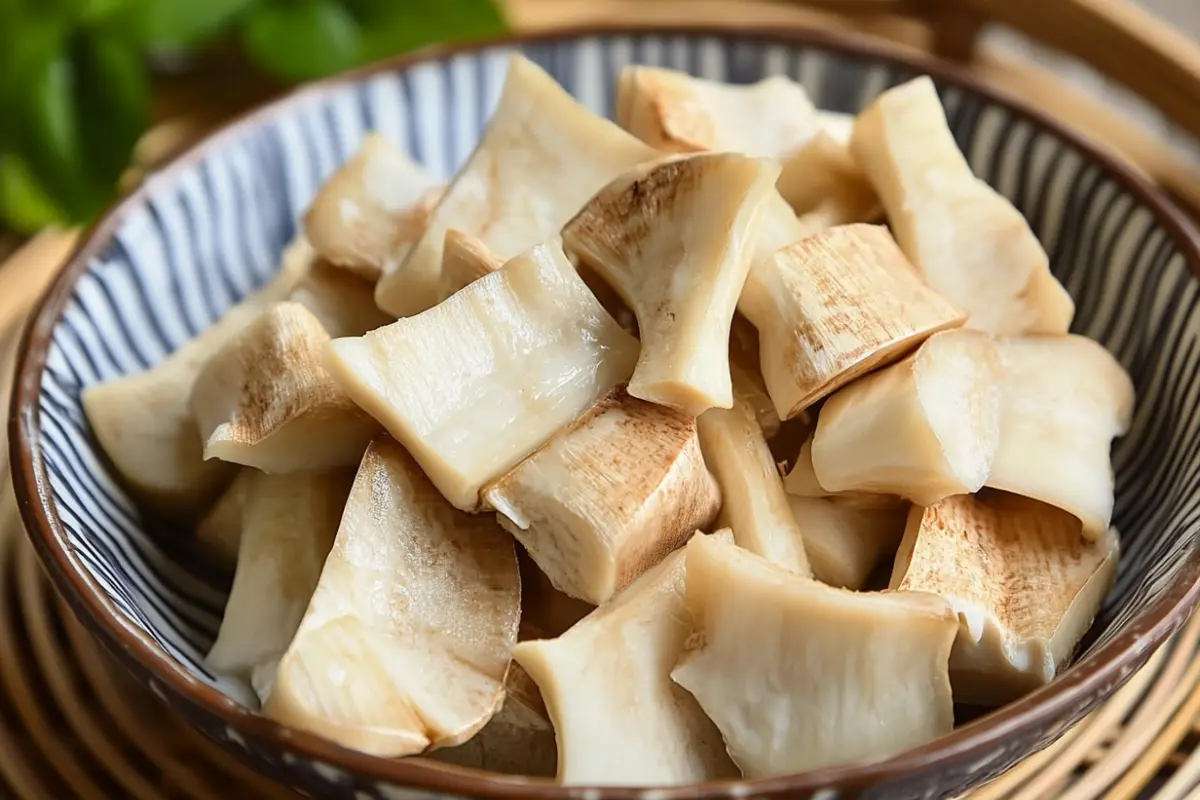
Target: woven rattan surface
{"type": "Point", "coordinates": [74, 725]}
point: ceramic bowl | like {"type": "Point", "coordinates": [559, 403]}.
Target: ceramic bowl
{"type": "Point", "coordinates": [210, 227]}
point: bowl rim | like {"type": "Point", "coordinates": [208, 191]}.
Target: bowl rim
{"type": "Point", "coordinates": [1064, 699]}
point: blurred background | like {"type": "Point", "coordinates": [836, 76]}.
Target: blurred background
{"type": "Point", "coordinates": [82, 80]}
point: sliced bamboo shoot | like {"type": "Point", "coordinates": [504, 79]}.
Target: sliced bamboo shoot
{"type": "Point", "coordinates": [674, 111]}
{"type": "Point", "coordinates": [778, 229]}
{"type": "Point", "coordinates": [1025, 584]}
{"type": "Point", "coordinates": [406, 642]}
{"type": "Point", "coordinates": [343, 302]}
{"type": "Point", "coordinates": [835, 306]}
{"type": "Point", "coordinates": [220, 529]}
{"type": "Point", "coordinates": [924, 428]}
{"type": "Point", "coordinates": [144, 422]}
{"type": "Point", "coordinates": [836, 125]}
{"type": "Point", "coordinates": [288, 525]}
{"type": "Point", "coordinates": [545, 611]}
{"type": "Point", "coordinates": [1064, 399]}
{"type": "Point", "coordinates": [618, 717]}
{"type": "Point", "coordinates": [846, 541]}
{"type": "Point", "coordinates": [753, 503]}
{"type": "Point", "coordinates": [265, 399]}
{"type": "Point", "coordinates": [369, 213]}
{"type": "Point", "coordinates": [519, 739]}
{"type": "Point", "coordinates": [968, 240]}
{"type": "Point", "coordinates": [609, 497]}
{"type": "Point", "coordinates": [744, 369]}
{"type": "Point", "coordinates": [609, 298]}
{"type": "Point", "coordinates": [540, 159]}
{"type": "Point", "coordinates": [802, 481]}
{"type": "Point", "coordinates": [674, 239]}
{"type": "Point", "coordinates": [838, 677]}
{"type": "Point", "coordinates": [465, 259]}
{"type": "Point", "coordinates": [474, 385]}
{"type": "Point", "coordinates": [825, 186]}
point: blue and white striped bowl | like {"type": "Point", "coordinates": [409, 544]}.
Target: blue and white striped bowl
{"type": "Point", "coordinates": [210, 228]}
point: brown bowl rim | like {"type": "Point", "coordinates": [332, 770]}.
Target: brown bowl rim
{"type": "Point", "coordinates": [1099, 673]}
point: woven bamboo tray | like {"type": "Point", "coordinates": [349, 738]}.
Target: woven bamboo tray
{"type": "Point", "coordinates": [73, 725]}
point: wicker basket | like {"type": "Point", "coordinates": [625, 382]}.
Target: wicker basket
{"type": "Point", "coordinates": [72, 726]}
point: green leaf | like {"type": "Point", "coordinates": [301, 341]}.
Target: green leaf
{"type": "Point", "coordinates": [25, 48]}
{"type": "Point", "coordinates": [9, 14]}
{"type": "Point", "coordinates": [24, 205]}
{"type": "Point", "coordinates": [25, 44]}
{"type": "Point", "coordinates": [78, 111]}
{"type": "Point", "coordinates": [46, 131]}
{"type": "Point", "coordinates": [112, 95]}
{"type": "Point", "coordinates": [11, 10]}
{"type": "Point", "coordinates": [303, 39]}
{"type": "Point", "coordinates": [176, 24]}
{"type": "Point", "coordinates": [86, 11]}
{"type": "Point", "coordinates": [397, 27]}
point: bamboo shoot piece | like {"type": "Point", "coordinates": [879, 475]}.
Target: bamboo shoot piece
{"type": "Point", "coordinates": [1064, 399]}
{"type": "Point", "coordinates": [476, 384]}
{"type": "Point", "coordinates": [541, 158]}
{"type": "Point", "coordinates": [839, 677]}
{"type": "Point", "coordinates": [519, 739]}
{"type": "Point", "coordinates": [369, 213]}
{"type": "Point", "coordinates": [924, 428]}
{"type": "Point", "coordinates": [674, 239]}
{"type": "Point", "coordinates": [753, 503]}
{"type": "Point", "coordinates": [835, 306]}
{"type": "Point", "coordinates": [609, 298]}
{"type": "Point", "coordinates": [545, 611]}
{"type": "Point", "coordinates": [265, 400]}
{"type": "Point", "coordinates": [219, 531]}
{"type": "Point", "coordinates": [825, 186]}
{"type": "Point", "coordinates": [144, 421]}
{"type": "Point", "coordinates": [342, 302]}
{"type": "Point", "coordinates": [1024, 583]}
{"type": "Point", "coordinates": [465, 259]}
{"type": "Point", "coordinates": [407, 640]}
{"type": "Point", "coordinates": [609, 497]}
{"type": "Point", "coordinates": [845, 540]}
{"type": "Point", "coordinates": [802, 482]}
{"type": "Point", "coordinates": [968, 240]}
{"type": "Point", "coordinates": [671, 110]}
{"type": "Point", "coordinates": [837, 125]}
{"type": "Point", "coordinates": [288, 525]}
{"type": "Point", "coordinates": [744, 360]}
{"type": "Point", "coordinates": [618, 717]}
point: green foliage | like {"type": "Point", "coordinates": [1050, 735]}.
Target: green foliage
{"type": "Point", "coordinates": [111, 85]}
{"type": "Point", "coordinates": [176, 24]}
{"type": "Point", "coordinates": [406, 25]}
{"type": "Point", "coordinates": [75, 83]}
{"type": "Point", "coordinates": [304, 39]}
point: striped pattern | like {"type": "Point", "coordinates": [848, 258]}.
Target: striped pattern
{"type": "Point", "coordinates": [212, 232]}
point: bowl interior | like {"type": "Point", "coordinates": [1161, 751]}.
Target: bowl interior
{"type": "Point", "coordinates": [211, 229]}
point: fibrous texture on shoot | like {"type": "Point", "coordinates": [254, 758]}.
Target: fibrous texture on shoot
{"type": "Point", "coordinates": [407, 639]}
{"type": "Point", "coordinates": [675, 238]}
{"type": "Point", "coordinates": [477, 383]}
{"type": "Point", "coordinates": [540, 159]}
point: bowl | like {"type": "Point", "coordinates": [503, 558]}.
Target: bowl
{"type": "Point", "coordinates": [210, 227]}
